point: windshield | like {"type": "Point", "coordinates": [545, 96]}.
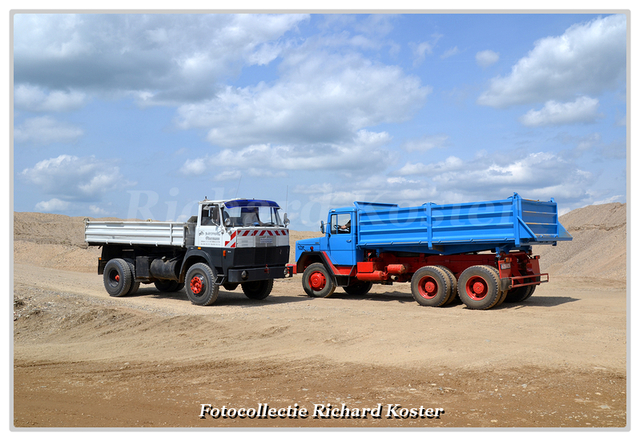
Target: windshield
{"type": "Point", "coordinates": [252, 217]}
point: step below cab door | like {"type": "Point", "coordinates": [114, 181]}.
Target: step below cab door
{"type": "Point", "coordinates": [341, 244]}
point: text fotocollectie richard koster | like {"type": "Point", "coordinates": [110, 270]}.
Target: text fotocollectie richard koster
{"type": "Point", "coordinates": [321, 411]}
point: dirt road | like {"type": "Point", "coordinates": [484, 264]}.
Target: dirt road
{"type": "Point", "coordinates": [83, 359]}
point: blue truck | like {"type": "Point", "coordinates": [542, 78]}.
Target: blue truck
{"type": "Point", "coordinates": [480, 252]}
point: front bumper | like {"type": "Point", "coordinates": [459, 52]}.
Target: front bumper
{"type": "Point", "coordinates": [240, 275]}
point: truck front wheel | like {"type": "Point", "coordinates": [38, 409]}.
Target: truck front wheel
{"type": "Point", "coordinates": [317, 281]}
{"type": "Point", "coordinates": [200, 285]}
{"type": "Point", "coordinates": [258, 290]}
{"type": "Point", "coordinates": [117, 277]}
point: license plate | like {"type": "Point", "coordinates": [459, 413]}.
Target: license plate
{"type": "Point", "coordinates": [505, 266]}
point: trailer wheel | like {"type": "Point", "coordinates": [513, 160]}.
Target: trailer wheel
{"type": "Point", "coordinates": [358, 288]}
{"type": "Point", "coordinates": [117, 277]}
{"type": "Point", "coordinates": [258, 290]}
{"type": "Point", "coordinates": [200, 285]}
{"type": "Point", "coordinates": [317, 282]}
{"type": "Point", "coordinates": [479, 287]}
{"type": "Point", "coordinates": [430, 286]}
{"type": "Point", "coordinates": [520, 294]}
{"type": "Point", "coordinates": [503, 293]}
{"type": "Point", "coordinates": [453, 284]}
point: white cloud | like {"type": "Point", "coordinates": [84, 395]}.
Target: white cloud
{"type": "Point", "coordinates": [35, 99]}
{"type": "Point", "coordinates": [540, 175]}
{"type": "Point", "coordinates": [426, 143]}
{"type": "Point", "coordinates": [98, 211]}
{"type": "Point", "coordinates": [74, 178]}
{"type": "Point", "coordinates": [52, 205]}
{"type": "Point", "coordinates": [487, 58]}
{"type": "Point", "coordinates": [582, 110]}
{"type": "Point", "coordinates": [450, 52]}
{"type": "Point", "coordinates": [365, 153]}
{"type": "Point", "coordinates": [167, 58]}
{"type": "Point", "coordinates": [320, 98]}
{"type": "Point", "coordinates": [375, 188]}
{"type": "Point", "coordinates": [421, 50]}
{"type": "Point", "coordinates": [45, 130]}
{"type": "Point", "coordinates": [587, 59]}
{"type": "Point", "coordinates": [450, 164]}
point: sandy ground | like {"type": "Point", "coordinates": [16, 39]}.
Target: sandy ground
{"type": "Point", "coordinates": [84, 359]}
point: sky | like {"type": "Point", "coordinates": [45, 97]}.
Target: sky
{"type": "Point", "coordinates": [143, 115]}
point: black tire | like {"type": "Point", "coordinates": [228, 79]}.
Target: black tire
{"type": "Point", "coordinates": [430, 286]}
{"type": "Point", "coordinates": [520, 294]}
{"type": "Point", "coordinates": [317, 282]}
{"type": "Point", "coordinates": [168, 285]}
{"type": "Point", "coordinates": [479, 287]}
{"type": "Point", "coordinates": [134, 285]}
{"type": "Point", "coordinates": [453, 284]}
{"type": "Point", "coordinates": [258, 290]}
{"type": "Point", "coordinates": [200, 285]}
{"type": "Point", "coordinates": [503, 293]}
{"type": "Point", "coordinates": [117, 277]}
{"type": "Point", "coordinates": [358, 288]}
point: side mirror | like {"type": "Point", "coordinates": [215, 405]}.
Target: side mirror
{"type": "Point", "coordinates": [286, 220]}
{"type": "Point", "coordinates": [325, 228]}
{"type": "Point", "coordinates": [227, 222]}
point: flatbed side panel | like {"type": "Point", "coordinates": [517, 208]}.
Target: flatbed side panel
{"type": "Point", "coordinates": [431, 225]}
{"type": "Point", "coordinates": [393, 225]}
{"type": "Point", "coordinates": [467, 227]}
{"type": "Point", "coordinates": [475, 222]}
{"type": "Point", "coordinates": [136, 233]}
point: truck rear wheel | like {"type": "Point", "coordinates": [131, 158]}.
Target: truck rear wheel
{"type": "Point", "coordinates": [200, 285]}
{"type": "Point", "coordinates": [479, 287]}
{"type": "Point", "coordinates": [453, 283]}
{"type": "Point", "coordinates": [317, 282]}
{"type": "Point", "coordinates": [430, 286]}
{"type": "Point", "coordinates": [168, 285]}
{"type": "Point", "coordinates": [117, 277]}
{"type": "Point", "coordinates": [258, 290]}
{"type": "Point", "coordinates": [358, 288]}
{"type": "Point", "coordinates": [134, 285]}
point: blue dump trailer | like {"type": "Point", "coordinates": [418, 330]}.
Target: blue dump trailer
{"type": "Point", "coordinates": [480, 252]}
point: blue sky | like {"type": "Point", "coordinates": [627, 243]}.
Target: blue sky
{"type": "Point", "coordinates": [142, 115]}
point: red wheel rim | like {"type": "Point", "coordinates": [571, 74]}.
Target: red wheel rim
{"type": "Point", "coordinates": [477, 288]}
{"type": "Point", "coordinates": [117, 277]}
{"type": "Point", "coordinates": [196, 285]}
{"type": "Point", "coordinates": [428, 287]}
{"type": "Point", "coordinates": [317, 281]}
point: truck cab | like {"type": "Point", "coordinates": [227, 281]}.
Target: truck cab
{"type": "Point", "coordinates": [229, 243]}
{"type": "Point", "coordinates": [338, 245]}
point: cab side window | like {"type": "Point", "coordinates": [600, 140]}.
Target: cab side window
{"type": "Point", "coordinates": [210, 215]}
{"type": "Point", "coordinates": [341, 223]}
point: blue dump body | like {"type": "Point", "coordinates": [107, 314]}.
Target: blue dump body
{"type": "Point", "coordinates": [502, 225]}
